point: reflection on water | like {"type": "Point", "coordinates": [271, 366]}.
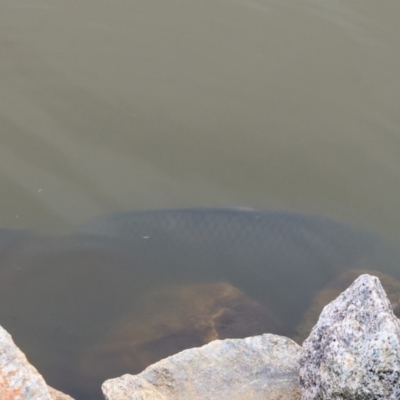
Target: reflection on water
{"type": "Point", "coordinates": [111, 106]}
{"type": "Point", "coordinates": [128, 289]}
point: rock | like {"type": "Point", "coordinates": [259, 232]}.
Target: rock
{"type": "Point", "coordinates": [171, 319]}
{"type": "Point", "coordinates": [19, 380]}
{"type": "Point", "coordinates": [57, 395]}
{"type": "Point", "coordinates": [353, 353]}
{"type": "Point", "coordinates": [261, 367]}
{"type": "Point", "coordinates": [333, 290]}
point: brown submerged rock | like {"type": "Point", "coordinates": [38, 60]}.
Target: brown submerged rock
{"type": "Point", "coordinates": [333, 290]}
{"type": "Point", "coordinates": [171, 319]}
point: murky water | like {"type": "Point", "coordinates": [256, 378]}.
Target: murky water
{"type": "Point", "coordinates": [126, 105]}
{"type": "Point", "coordinates": [131, 105]}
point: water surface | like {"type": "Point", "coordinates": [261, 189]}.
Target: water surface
{"type": "Point", "coordinates": [123, 105]}
{"type": "Point", "coordinates": [136, 105]}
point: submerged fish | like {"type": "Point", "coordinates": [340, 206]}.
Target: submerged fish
{"type": "Point", "coordinates": [280, 256]}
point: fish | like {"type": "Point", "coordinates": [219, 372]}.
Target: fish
{"type": "Point", "coordinates": [278, 256]}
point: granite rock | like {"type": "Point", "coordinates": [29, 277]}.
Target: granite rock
{"type": "Point", "coordinates": [57, 395]}
{"type": "Point", "coordinates": [353, 353]}
{"type": "Point", "coordinates": [19, 380]}
{"type": "Point", "coordinates": [261, 367]}
{"type": "Point", "coordinates": [333, 290]}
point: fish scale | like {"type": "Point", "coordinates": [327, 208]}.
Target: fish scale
{"type": "Point", "coordinates": [257, 231]}
{"type": "Point", "coordinates": [247, 246]}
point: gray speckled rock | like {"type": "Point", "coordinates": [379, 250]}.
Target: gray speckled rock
{"type": "Point", "coordinates": [19, 380]}
{"type": "Point", "coordinates": [353, 353]}
{"type": "Point", "coordinates": [260, 367]}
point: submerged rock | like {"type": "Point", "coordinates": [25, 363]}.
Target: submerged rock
{"type": "Point", "coordinates": [261, 367]}
{"type": "Point", "coordinates": [353, 352]}
{"type": "Point", "coordinates": [19, 380]}
{"type": "Point", "coordinates": [171, 319]}
{"type": "Point", "coordinates": [333, 290]}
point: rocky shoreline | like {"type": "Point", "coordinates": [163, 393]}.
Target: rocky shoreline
{"type": "Point", "coordinates": [353, 352]}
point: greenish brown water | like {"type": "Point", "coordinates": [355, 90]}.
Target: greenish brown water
{"type": "Point", "coordinates": [124, 105]}
{"type": "Point", "coordinates": [133, 105]}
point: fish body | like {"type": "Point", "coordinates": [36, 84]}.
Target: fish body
{"type": "Point", "coordinates": [281, 256]}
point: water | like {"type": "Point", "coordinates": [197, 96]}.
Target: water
{"type": "Point", "coordinates": [136, 105]}
{"type": "Point", "coordinates": [113, 106]}
{"type": "Point", "coordinates": [129, 289]}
